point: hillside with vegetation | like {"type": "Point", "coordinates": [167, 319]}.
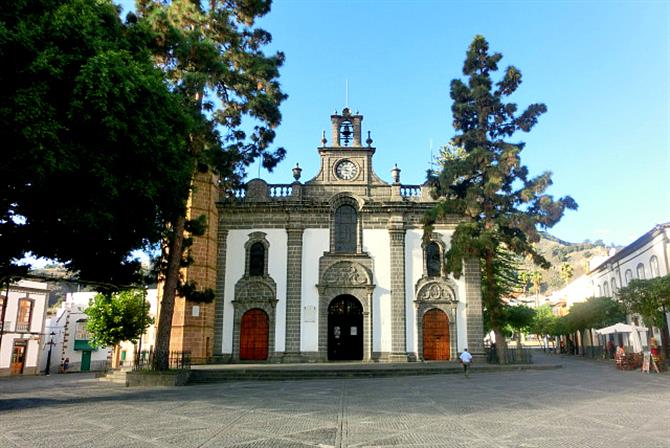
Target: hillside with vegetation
{"type": "Point", "coordinates": [568, 262]}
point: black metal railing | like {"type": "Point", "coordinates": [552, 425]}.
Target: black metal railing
{"type": "Point", "coordinates": [514, 355]}
{"type": "Point", "coordinates": [176, 360]}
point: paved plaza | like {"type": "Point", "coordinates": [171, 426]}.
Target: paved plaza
{"type": "Point", "coordinates": [584, 404]}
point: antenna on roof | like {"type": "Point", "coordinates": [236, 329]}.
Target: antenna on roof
{"type": "Point", "coordinates": [346, 93]}
{"type": "Point", "coordinates": [430, 162]}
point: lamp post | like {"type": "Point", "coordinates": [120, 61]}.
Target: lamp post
{"type": "Point", "coordinates": [51, 343]}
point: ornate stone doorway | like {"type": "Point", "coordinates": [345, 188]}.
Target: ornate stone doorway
{"type": "Point", "coordinates": [436, 335]}
{"type": "Point", "coordinates": [345, 329]}
{"type": "Point", "coordinates": [254, 335]}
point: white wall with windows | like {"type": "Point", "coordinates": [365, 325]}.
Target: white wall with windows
{"type": "Point", "coordinates": [22, 313]}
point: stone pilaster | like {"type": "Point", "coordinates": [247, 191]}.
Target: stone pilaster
{"type": "Point", "coordinates": [473, 307]}
{"type": "Point", "coordinates": [293, 290]}
{"type": "Point", "coordinates": [220, 288]}
{"type": "Point", "coordinates": [396, 228]}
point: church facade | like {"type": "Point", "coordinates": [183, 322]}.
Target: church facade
{"type": "Point", "coordinates": [335, 268]}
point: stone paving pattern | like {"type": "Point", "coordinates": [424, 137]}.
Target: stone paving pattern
{"type": "Point", "coordinates": [584, 404]}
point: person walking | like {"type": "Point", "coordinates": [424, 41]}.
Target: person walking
{"type": "Point", "coordinates": [466, 359]}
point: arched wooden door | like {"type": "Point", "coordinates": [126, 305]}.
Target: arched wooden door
{"type": "Point", "coordinates": [345, 329]}
{"type": "Point", "coordinates": [435, 335]}
{"type": "Point", "coordinates": [254, 335]}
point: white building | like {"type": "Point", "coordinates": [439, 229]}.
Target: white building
{"type": "Point", "coordinates": [71, 340]}
{"type": "Point", "coordinates": [335, 268]}
{"type": "Point", "coordinates": [646, 257]}
{"type": "Point", "coordinates": [22, 312]}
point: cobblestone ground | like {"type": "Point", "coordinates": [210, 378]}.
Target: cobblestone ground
{"type": "Point", "coordinates": [584, 404]}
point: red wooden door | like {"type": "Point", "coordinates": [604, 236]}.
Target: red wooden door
{"type": "Point", "coordinates": [254, 335]}
{"type": "Point", "coordinates": [18, 358]}
{"type": "Point", "coordinates": [435, 336]}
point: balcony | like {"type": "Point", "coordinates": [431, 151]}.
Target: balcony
{"type": "Point", "coordinates": [22, 327]}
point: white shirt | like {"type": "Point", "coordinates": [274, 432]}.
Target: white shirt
{"type": "Point", "coordinates": [466, 357]}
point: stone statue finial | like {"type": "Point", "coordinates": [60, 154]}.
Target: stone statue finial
{"type": "Point", "coordinates": [323, 138]}
{"type": "Point", "coordinates": [395, 174]}
{"type": "Point", "coordinates": [369, 140]}
{"type": "Point", "coordinates": [297, 171]}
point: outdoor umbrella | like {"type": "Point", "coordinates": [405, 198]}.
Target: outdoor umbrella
{"type": "Point", "coordinates": [631, 330]}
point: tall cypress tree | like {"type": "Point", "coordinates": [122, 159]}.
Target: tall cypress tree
{"type": "Point", "coordinates": [212, 54]}
{"type": "Point", "coordinates": [504, 207]}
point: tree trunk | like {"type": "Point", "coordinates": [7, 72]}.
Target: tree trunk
{"type": "Point", "coordinates": [492, 304]}
{"type": "Point", "coordinates": [163, 333]}
{"type": "Point", "coordinates": [501, 345]}
{"type": "Point", "coordinates": [665, 336]}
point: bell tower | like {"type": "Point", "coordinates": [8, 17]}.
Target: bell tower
{"type": "Point", "coordinates": [345, 161]}
{"type": "Point", "coordinates": [346, 129]}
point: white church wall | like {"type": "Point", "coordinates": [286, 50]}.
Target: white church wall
{"type": "Point", "coordinates": [377, 243]}
{"type": "Point", "coordinates": [278, 239]}
{"type": "Point", "coordinates": [413, 272]}
{"type": "Point", "coordinates": [314, 243]}
{"type": "Point", "coordinates": [235, 256]}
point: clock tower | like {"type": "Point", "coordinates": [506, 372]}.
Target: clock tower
{"type": "Point", "coordinates": [346, 161]}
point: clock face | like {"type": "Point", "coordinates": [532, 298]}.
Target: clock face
{"type": "Point", "coordinates": [346, 170]}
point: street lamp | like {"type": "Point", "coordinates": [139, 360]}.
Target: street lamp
{"type": "Point", "coordinates": [51, 343]}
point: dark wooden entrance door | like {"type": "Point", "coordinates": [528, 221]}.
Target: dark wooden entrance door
{"type": "Point", "coordinates": [435, 336]}
{"type": "Point", "coordinates": [254, 335]}
{"type": "Point", "coordinates": [345, 329]}
{"type": "Point", "coordinates": [18, 358]}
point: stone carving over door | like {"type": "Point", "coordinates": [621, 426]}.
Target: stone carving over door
{"type": "Point", "coordinates": [256, 289]}
{"type": "Point", "coordinates": [435, 291]}
{"type": "Point", "coordinates": [344, 274]}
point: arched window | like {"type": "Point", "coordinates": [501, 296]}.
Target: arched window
{"type": "Point", "coordinates": [433, 260]}
{"type": "Point", "coordinates": [257, 259]}
{"type": "Point", "coordinates": [653, 266]}
{"type": "Point", "coordinates": [628, 276]}
{"type": "Point", "coordinates": [345, 228]}
{"type": "Point", "coordinates": [606, 289]}
{"type": "Point", "coordinates": [640, 271]}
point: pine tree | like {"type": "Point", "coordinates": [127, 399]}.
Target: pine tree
{"type": "Point", "coordinates": [212, 54]}
{"type": "Point", "coordinates": [502, 204]}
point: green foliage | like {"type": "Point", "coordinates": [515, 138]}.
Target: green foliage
{"type": "Point", "coordinates": [566, 272]}
{"type": "Point", "coordinates": [486, 182]}
{"type": "Point", "coordinates": [536, 281]}
{"type": "Point", "coordinates": [115, 318]}
{"type": "Point", "coordinates": [90, 134]}
{"type": "Point", "coordinates": [543, 321]}
{"type": "Point", "coordinates": [595, 312]}
{"type": "Point", "coordinates": [648, 298]}
{"type": "Point", "coordinates": [519, 318]}
{"type": "Point", "coordinates": [191, 292]}
{"type": "Point", "coordinates": [212, 55]}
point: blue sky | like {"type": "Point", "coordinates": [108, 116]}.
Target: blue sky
{"type": "Point", "coordinates": [601, 67]}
